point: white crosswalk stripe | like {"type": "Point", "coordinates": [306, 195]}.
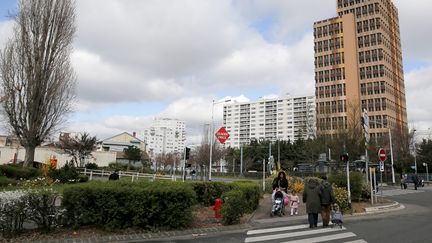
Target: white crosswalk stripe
{"type": "Point", "coordinates": [396, 192]}
{"type": "Point", "coordinates": [301, 234]}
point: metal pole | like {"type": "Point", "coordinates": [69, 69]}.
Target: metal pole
{"type": "Point", "coordinates": [381, 185]}
{"type": "Point", "coordinates": [279, 165]}
{"type": "Point", "coordinates": [391, 154]}
{"type": "Point", "coordinates": [348, 185]}
{"type": "Point", "coordinates": [415, 153]}
{"type": "Point", "coordinates": [427, 172]}
{"type": "Point", "coordinates": [329, 155]}
{"type": "Point", "coordinates": [241, 160]}
{"type": "Point", "coordinates": [374, 181]}
{"type": "Point", "coordinates": [211, 142]}
{"type": "Point", "coordinates": [371, 187]}
{"type": "Point", "coordinates": [264, 175]}
{"type": "Point", "coordinates": [184, 163]}
{"type": "Point", "coordinates": [367, 164]}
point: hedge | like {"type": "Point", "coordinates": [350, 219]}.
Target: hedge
{"type": "Point", "coordinates": [19, 172]}
{"type": "Point", "coordinates": [113, 205]}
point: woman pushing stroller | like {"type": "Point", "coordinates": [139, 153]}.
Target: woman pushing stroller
{"type": "Point", "coordinates": [279, 195]}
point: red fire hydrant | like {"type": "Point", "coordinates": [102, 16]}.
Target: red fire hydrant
{"type": "Point", "coordinates": [217, 208]}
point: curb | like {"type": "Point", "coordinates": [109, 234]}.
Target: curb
{"type": "Point", "coordinates": [395, 206]}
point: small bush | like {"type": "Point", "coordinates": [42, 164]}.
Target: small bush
{"type": "Point", "coordinates": [208, 192]}
{"type": "Point", "coordinates": [341, 196]}
{"type": "Point", "coordinates": [18, 172]}
{"type": "Point", "coordinates": [92, 166]}
{"type": "Point", "coordinates": [4, 181]}
{"type": "Point", "coordinates": [12, 213]}
{"type": "Point", "coordinates": [117, 166]}
{"type": "Point", "coordinates": [251, 195]}
{"type": "Point", "coordinates": [42, 209]}
{"type": "Point", "coordinates": [356, 183]}
{"type": "Point", "coordinates": [66, 174]}
{"type": "Point", "coordinates": [233, 205]}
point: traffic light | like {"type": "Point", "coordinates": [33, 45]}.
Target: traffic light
{"type": "Point", "coordinates": [344, 157]}
{"type": "Point", "coordinates": [187, 153]}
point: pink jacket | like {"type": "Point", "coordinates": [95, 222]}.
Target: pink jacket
{"type": "Point", "coordinates": [294, 201]}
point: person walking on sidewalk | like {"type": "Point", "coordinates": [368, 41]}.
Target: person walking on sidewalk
{"type": "Point", "coordinates": [312, 200]}
{"type": "Point", "coordinates": [327, 198]}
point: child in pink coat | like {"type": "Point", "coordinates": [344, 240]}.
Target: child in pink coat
{"type": "Point", "coordinates": [294, 203]}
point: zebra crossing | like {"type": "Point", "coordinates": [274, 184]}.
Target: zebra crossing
{"type": "Point", "coordinates": [302, 234]}
{"type": "Point", "coordinates": [397, 192]}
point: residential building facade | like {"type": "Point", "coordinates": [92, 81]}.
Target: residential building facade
{"type": "Point", "coordinates": [358, 67]}
{"type": "Point", "coordinates": [284, 118]}
{"type": "Point", "coordinates": [165, 136]}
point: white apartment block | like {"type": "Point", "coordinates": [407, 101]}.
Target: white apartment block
{"type": "Point", "coordinates": [283, 118]}
{"type": "Point", "coordinates": [165, 136]}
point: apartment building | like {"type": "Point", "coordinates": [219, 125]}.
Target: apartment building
{"type": "Point", "coordinates": [164, 136]}
{"type": "Point", "coordinates": [358, 66]}
{"type": "Point", "coordinates": [284, 118]}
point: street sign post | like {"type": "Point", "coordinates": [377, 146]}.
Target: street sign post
{"type": "Point", "coordinates": [382, 157]}
{"type": "Point", "coordinates": [222, 135]}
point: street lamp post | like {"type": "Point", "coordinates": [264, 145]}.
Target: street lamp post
{"type": "Point", "coordinates": [415, 153]}
{"type": "Point", "coordinates": [427, 171]}
{"type": "Point", "coordinates": [211, 137]}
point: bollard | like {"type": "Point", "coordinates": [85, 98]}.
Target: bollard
{"type": "Point", "coordinates": [217, 209]}
{"type": "Point", "coordinates": [91, 175]}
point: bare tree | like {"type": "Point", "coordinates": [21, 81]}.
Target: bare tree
{"type": "Point", "coordinates": [37, 79]}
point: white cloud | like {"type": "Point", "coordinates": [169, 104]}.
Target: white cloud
{"type": "Point", "coordinates": [418, 90]}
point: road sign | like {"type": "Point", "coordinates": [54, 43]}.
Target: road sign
{"type": "Point", "coordinates": [381, 165]}
{"type": "Point", "coordinates": [382, 154]}
{"type": "Point", "coordinates": [222, 135]}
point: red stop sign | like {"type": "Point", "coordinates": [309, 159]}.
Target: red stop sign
{"type": "Point", "coordinates": [222, 135]}
{"type": "Point", "coordinates": [382, 154]}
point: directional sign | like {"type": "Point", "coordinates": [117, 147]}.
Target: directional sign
{"type": "Point", "coordinates": [222, 135]}
{"type": "Point", "coordinates": [382, 154]}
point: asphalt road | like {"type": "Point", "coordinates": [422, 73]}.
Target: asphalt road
{"type": "Point", "coordinates": [412, 224]}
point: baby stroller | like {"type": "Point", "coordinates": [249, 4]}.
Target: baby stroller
{"type": "Point", "coordinates": [336, 216]}
{"type": "Point", "coordinates": [278, 207]}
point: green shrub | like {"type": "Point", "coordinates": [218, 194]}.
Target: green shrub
{"type": "Point", "coordinates": [12, 212]}
{"type": "Point", "coordinates": [356, 183]}
{"type": "Point", "coordinates": [66, 174]}
{"type": "Point", "coordinates": [18, 172]}
{"type": "Point", "coordinates": [42, 209]}
{"type": "Point", "coordinates": [116, 205]}
{"type": "Point", "coordinates": [232, 208]}
{"type": "Point", "coordinates": [341, 195]}
{"type": "Point", "coordinates": [208, 192]}
{"type": "Point", "coordinates": [251, 194]}
{"type": "Point", "coordinates": [4, 181]}
{"type": "Point", "coordinates": [92, 166]}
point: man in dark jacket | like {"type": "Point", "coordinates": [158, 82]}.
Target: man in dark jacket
{"type": "Point", "coordinates": [327, 198]}
{"type": "Point", "coordinates": [114, 176]}
{"type": "Point", "coordinates": [312, 200]}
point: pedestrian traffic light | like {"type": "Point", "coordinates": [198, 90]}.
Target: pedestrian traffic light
{"type": "Point", "coordinates": [344, 157]}
{"type": "Point", "coordinates": [187, 153]}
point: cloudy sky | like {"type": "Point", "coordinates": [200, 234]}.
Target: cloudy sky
{"type": "Point", "coordinates": [140, 59]}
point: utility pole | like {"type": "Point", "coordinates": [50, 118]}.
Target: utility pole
{"type": "Point", "coordinates": [241, 159]}
{"type": "Point", "coordinates": [365, 124]}
{"type": "Point", "coordinates": [391, 154]}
